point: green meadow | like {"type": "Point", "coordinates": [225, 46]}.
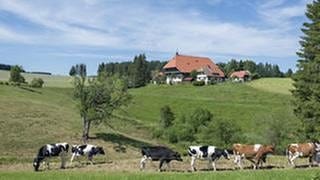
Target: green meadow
{"type": "Point", "coordinates": [33, 117]}
{"type": "Point", "coordinates": [241, 175]}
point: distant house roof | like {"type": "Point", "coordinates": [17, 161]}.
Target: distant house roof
{"type": "Point", "coordinates": [240, 74]}
{"type": "Point", "coordinates": [186, 64]}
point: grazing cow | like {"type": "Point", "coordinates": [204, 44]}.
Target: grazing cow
{"type": "Point", "coordinates": [158, 153]}
{"type": "Point", "coordinates": [304, 150]}
{"type": "Point", "coordinates": [210, 153]}
{"type": "Point", "coordinates": [254, 153]}
{"type": "Point", "coordinates": [87, 149]}
{"type": "Point", "coordinates": [51, 150]}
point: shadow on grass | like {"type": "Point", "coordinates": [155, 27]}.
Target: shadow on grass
{"type": "Point", "coordinates": [121, 141]}
{"type": "Point", "coordinates": [29, 89]}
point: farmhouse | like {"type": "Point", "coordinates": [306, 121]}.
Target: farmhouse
{"type": "Point", "coordinates": [178, 69]}
{"type": "Point", "coordinates": [240, 76]}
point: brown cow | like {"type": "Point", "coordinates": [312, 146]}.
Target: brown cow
{"type": "Point", "coordinates": [254, 153]}
{"type": "Point", "coordinates": [304, 150]}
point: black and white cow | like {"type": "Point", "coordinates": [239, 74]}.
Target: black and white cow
{"type": "Point", "coordinates": [210, 153]}
{"type": "Point", "coordinates": [158, 153]}
{"type": "Point", "coordinates": [51, 150]}
{"type": "Point", "coordinates": [87, 149]}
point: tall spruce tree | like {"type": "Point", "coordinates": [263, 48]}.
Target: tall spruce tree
{"type": "Point", "coordinates": [307, 78]}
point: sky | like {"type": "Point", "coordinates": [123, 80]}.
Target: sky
{"type": "Point", "coordinates": [53, 35]}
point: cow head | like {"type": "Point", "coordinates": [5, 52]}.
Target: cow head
{"type": "Point", "coordinates": [36, 163]}
{"type": "Point", "coordinates": [100, 150]}
{"type": "Point", "coordinates": [270, 148]}
{"type": "Point", "coordinates": [226, 154]}
{"type": "Point", "coordinates": [74, 148]}
{"type": "Point", "coordinates": [177, 156]}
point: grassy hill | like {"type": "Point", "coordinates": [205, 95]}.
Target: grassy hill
{"type": "Point", "coordinates": [33, 117]}
{"type": "Point", "coordinates": [249, 105]}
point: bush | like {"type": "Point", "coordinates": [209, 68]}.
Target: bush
{"type": "Point", "coordinates": [157, 133]}
{"type": "Point", "coordinates": [200, 117]}
{"type": "Point", "coordinates": [172, 135]}
{"type": "Point", "coordinates": [198, 83]}
{"type": "Point", "coordinates": [255, 76]}
{"type": "Point", "coordinates": [6, 83]}
{"type": "Point", "coordinates": [1, 83]}
{"type": "Point", "coordinates": [37, 83]}
{"type": "Point", "coordinates": [221, 133]}
{"type": "Point", "coordinates": [166, 117]}
{"type": "Point", "coordinates": [15, 74]}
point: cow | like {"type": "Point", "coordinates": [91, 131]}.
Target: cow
{"type": "Point", "coordinates": [210, 153]}
{"type": "Point", "coordinates": [51, 150]}
{"type": "Point", "coordinates": [256, 153]}
{"type": "Point", "coordinates": [158, 153]}
{"type": "Point", "coordinates": [85, 150]}
{"type": "Point", "coordinates": [303, 150]}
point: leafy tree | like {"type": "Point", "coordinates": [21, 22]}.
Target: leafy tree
{"type": "Point", "coordinates": [221, 133]}
{"type": "Point", "coordinates": [307, 77]}
{"type": "Point", "coordinates": [183, 130]}
{"type": "Point", "coordinates": [289, 73]}
{"type": "Point", "coordinates": [231, 66]}
{"type": "Point", "coordinates": [194, 74]}
{"type": "Point", "coordinates": [200, 117]}
{"type": "Point", "coordinates": [240, 66]}
{"type": "Point", "coordinates": [98, 99]}
{"type": "Point", "coordinates": [250, 66]}
{"type": "Point", "coordinates": [138, 71]}
{"type": "Point", "coordinates": [15, 74]}
{"type": "Point", "coordinates": [72, 71]}
{"type": "Point", "coordinates": [274, 133]}
{"type": "Point", "coordinates": [166, 117]}
{"type": "Point", "coordinates": [223, 67]}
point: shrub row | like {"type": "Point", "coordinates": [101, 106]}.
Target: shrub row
{"type": "Point", "coordinates": [35, 83]}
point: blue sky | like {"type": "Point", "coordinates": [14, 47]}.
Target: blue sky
{"type": "Point", "coordinates": [52, 35]}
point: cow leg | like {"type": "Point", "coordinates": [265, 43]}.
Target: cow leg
{"type": "Point", "coordinates": [238, 161]}
{"type": "Point", "coordinates": [253, 163]}
{"type": "Point", "coordinates": [63, 160]}
{"type": "Point", "coordinates": [90, 159]}
{"type": "Point", "coordinates": [295, 156]}
{"type": "Point", "coordinates": [310, 161]}
{"type": "Point", "coordinates": [143, 162]}
{"type": "Point", "coordinates": [47, 161]}
{"type": "Point", "coordinates": [160, 165]}
{"type": "Point", "coordinates": [193, 159]}
{"type": "Point", "coordinates": [72, 157]}
{"type": "Point", "coordinates": [168, 164]}
{"type": "Point", "coordinates": [289, 158]}
{"type": "Point", "coordinates": [214, 165]}
{"type": "Point", "coordinates": [210, 164]}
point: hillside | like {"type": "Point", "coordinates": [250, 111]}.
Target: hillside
{"type": "Point", "coordinates": [32, 117]}
{"type": "Point", "coordinates": [245, 104]}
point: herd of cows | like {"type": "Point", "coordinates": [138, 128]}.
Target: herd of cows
{"type": "Point", "coordinates": [256, 154]}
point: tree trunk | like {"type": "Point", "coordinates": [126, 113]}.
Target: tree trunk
{"type": "Point", "coordinates": [86, 128]}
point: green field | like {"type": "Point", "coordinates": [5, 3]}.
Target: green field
{"type": "Point", "coordinates": [50, 80]}
{"type": "Point", "coordinates": [33, 117]}
{"type": "Point", "coordinates": [245, 175]}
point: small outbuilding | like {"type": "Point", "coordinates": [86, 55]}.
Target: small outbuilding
{"type": "Point", "coordinates": [241, 76]}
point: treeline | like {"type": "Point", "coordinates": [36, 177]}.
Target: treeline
{"type": "Point", "coordinates": [7, 67]}
{"type": "Point", "coordinates": [137, 72]}
{"type": "Point", "coordinates": [257, 70]}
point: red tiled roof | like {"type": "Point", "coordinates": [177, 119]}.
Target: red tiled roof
{"type": "Point", "coordinates": [240, 74]}
{"type": "Point", "coordinates": [186, 64]}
